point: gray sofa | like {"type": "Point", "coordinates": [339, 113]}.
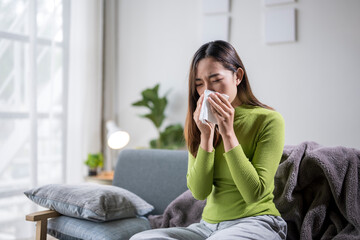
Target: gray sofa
{"type": "Point", "coordinates": [317, 192]}
{"type": "Point", "coordinates": [157, 176]}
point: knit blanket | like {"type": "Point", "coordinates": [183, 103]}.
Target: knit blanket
{"type": "Point", "coordinates": [317, 191]}
{"type": "Point", "coordinates": [181, 212]}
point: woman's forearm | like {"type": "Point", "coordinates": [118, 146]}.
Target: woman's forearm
{"type": "Point", "coordinates": [230, 141]}
{"type": "Point", "coordinates": [206, 142]}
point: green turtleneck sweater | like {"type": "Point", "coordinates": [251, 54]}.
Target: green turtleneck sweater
{"type": "Point", "coordinates": [240, 182]}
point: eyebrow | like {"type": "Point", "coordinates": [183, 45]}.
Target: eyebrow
{"type": "Point", "coordinates": [211, 76]}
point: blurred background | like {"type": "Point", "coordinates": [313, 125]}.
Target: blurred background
{"type": "Point", "coordinates": [69, 67]}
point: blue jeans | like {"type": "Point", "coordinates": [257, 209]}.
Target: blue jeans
{"type": "Point", "coordinates": [265, 227]}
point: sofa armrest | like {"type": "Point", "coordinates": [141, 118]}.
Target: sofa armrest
{"type": "Point", "coordinates": [41, 222]}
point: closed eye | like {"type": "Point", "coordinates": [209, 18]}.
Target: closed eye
{"type": "Point", "coordinates": [217, 80]}
{"type": "Point", "coordinates": [198, 82]}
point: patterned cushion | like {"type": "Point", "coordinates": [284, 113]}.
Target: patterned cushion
{"type": "Point", "coordinates": [68, 228]}
{"type": "Point", "coordinates": [93, 202]}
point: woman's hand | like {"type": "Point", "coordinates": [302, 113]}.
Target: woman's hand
{"type": "Point", "coordinates": [224, 113]}
{"type": "Point", "coordinates": [206, 129]}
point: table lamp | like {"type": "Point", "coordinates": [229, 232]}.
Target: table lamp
{"type": "Point", "coordinates": [116, 138]}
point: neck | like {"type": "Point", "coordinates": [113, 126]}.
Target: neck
{"type": "Point", "coordinates": [237, 102]}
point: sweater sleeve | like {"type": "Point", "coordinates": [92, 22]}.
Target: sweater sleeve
{"type": "Point", "coordinates": [200, 173]}
{"type": "Point", "coordinates": [256, 177]}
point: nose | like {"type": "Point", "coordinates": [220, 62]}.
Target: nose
{"type": "Point", "coordinates": [206, 86]}
{"type": "Point", "coordinates": [211, 89]}
{"type": "Point", "coordinates": [209, 86]}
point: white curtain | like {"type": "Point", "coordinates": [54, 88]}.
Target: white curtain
{"type": "Point", "coordinates": [110, 63]}
{"type": "Point", "coordinates": [85, 86]}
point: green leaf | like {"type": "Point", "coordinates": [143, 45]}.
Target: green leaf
{"type": "Point", "coordinates": [150, 95]}
{"type": "Point", "coordinates": [154, 103]}
{"type": "Point", "coordinates": [172, 137]}
{"type": "Point", "coordinates": [140, 103]}
{"type": "Point", "coordinates": [95, 160]}
{"type": "Point", "coordinates": [154, 143]}
{"type": "Point", "coordinates": [157, 119]}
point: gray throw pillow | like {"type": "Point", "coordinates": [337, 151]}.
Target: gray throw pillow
{"type": "Point", "coordinates": [93, 202]}
{"type": "Point", "coordinates": [68, 228]}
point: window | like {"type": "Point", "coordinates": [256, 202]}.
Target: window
{"type": "Point", "coordinates": [33, 91]}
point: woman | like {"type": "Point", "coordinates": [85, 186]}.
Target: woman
{"type": "Point", "coordinates": [231, 164]}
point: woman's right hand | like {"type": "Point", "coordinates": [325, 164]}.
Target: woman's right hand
{"type": "Point", "coordinates": [206, 129]}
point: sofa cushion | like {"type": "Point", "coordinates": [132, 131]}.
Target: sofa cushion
{"type": "Point", "coordinates": [93, 202]}
{"type": "Point", "coordinates": [68, 228]}
{"type": "Point", "coordinates": [160, 170]}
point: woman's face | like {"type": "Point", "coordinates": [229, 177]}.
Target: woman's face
{"type": "Point", "coordinates": [213, 76]}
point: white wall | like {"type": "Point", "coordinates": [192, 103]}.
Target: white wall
{"type": "Point", "coordinates": [156, 41]}
{"type": "Point", "coordinates": [314, 83]}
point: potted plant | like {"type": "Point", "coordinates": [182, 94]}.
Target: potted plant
{"type": "Point", "coordinates": [172, 136]}
{"type": "Point", "coordinates": [94, 161]}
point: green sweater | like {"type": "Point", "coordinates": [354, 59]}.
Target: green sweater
{"type": "Point", "coordinates": [240, 182]}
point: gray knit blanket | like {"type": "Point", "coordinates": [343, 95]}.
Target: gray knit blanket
{"type": "Point", "coordinates": [181, 212]}
{"type": "Point", "coordinates": [317, 192]}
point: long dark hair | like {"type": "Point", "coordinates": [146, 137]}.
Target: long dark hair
{"type": "Point", "coordinates": [226, 54]}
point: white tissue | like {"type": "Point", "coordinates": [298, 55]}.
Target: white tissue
{"type": "Point", "coordinates": [205, 112]}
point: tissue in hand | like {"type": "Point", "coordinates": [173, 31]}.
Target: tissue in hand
{"type": "Point", "coordinates": [205, 112]}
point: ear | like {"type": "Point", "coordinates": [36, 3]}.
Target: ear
{"type": "Point", "coordinates": [239, 75]}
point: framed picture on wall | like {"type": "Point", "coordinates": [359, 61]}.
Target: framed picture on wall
{"type": "Point", "coordinates": [215, 6]}
{"type": "Point", "coordinates": [280, 25]}
{"type": "Point", "coordinates": [215, 28]}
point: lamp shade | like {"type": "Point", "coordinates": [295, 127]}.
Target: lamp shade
{"type": "Point", "coordinates": [116, 138]}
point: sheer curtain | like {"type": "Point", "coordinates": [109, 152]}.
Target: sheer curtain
{"type": "Point", "coordinates": [50, 99]}
{"type": "Point", "coordinates": [33, 77]}
{"type": "Point", "coordinates": [85, 86]}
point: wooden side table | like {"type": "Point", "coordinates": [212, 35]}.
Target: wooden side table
{"type": "Point", "coordinates": [105, 177]}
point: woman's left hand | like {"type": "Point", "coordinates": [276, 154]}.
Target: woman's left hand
{"type": "Point", "coordinates": [223, 112]}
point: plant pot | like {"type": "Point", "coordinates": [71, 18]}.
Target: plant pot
{"type": "Point", "coordinates": [92, 172]}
